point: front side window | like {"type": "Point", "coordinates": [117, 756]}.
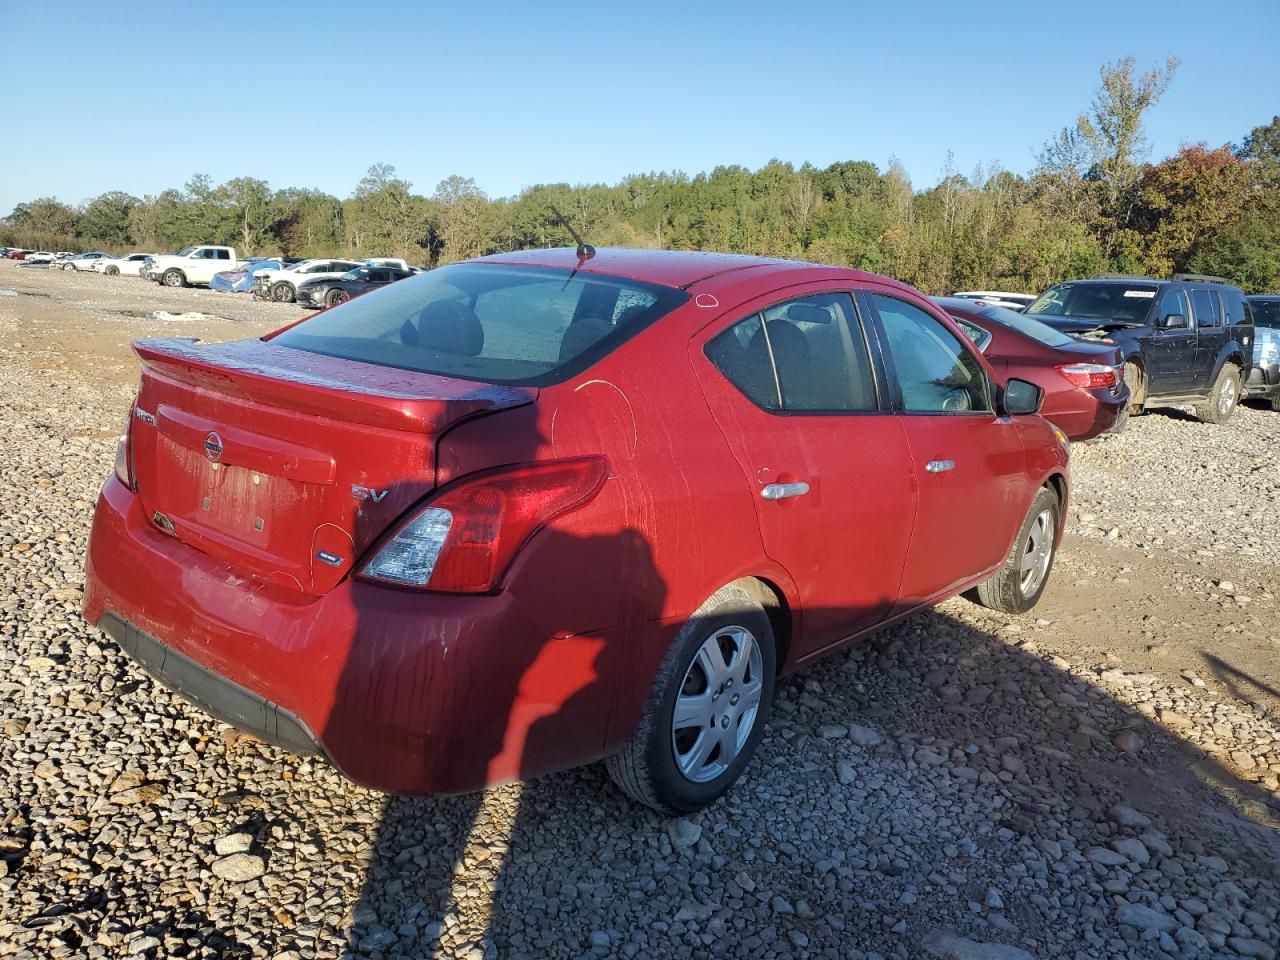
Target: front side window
{"type": "Point", "coordinates": [807, 355]}
{"type": "Point", "coordinates": [936, 373]}
{"type": "Point", "coordinates": [1173, 303]}
{"type": "Point", "coordinates": [490, 322]}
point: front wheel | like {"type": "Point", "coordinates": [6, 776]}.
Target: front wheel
{"type": "Point", "coordinates": [706, 712]}
{"type": "Point", "coordinates": [111, 271]}
{"type": "Point", "coordinates": [336, 297]}
{"type": "Point", "coordinates": [1137, 387]}
{"type": "Point", "coordinates": [1223, 398]}
{"type": "Point", "coordinates": [282, 292]}
{"type": "Point", "coordinates": [173, 278]}
{"type": "Point", "coordinates": [1017, 586]}
{"type": "Point", "coordinates": [67, 266]}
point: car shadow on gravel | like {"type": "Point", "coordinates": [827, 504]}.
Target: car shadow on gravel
{"type": "Point", "coordinates": [934, 779]}
{"type": "Point", "coordinates": [1243, 686]}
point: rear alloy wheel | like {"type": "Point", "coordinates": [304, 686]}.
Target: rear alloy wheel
{"type": "Point", "coordinates": [173, 278]}
{"type": "Point", "coordinates": [283, 292]}
{"type": "Point", "coordinates": [1223, 398]}
{"type": "Point", "coordinates": [68, 266]}
{"type": "Point", "coordinates": [111, 271]}
{"type": "Point", "coordinates": [335, 297]}
{"type": "Point", "coordinates": [707, 709]}
{"type": "Point", "coordinates": [1017, 586]}
{"type": "Point", "coordinates": [1137, 387]}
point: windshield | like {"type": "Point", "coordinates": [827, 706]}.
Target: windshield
{"type": "Point", "coordinates": [1120, 302]}
{"type": "Point", "coordinates": [495, 323]}
{"type": "Point", "coordinates": [357, 274]}
{"type": "Point", "coordinates": [184, 251]}
{"type": "Point", "coordinates": [1266, 313]}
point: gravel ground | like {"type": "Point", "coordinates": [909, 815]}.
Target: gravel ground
{"type": "Point", "coordinates": [1097, 780]}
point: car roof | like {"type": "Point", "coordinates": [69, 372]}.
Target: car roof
{"type": "Point", "coordinates": [670, 268]}
{"type": "Point", "coordinates": [1263, 296]}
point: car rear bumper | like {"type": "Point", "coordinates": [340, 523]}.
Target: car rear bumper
{"type": "Point", "coordinates": [1264, 380]}
{"type": "Point", "coordinates": [1085, 414]}
{"type": "Point", "coordinates": [402, 691]}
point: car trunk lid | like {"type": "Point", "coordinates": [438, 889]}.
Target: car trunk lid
{"type": "Point", "coordinates": [285, 463]}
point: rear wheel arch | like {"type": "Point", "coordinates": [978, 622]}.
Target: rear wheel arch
{"type": "Point", "coordinates": [777, 609]}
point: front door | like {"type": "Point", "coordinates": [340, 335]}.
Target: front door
{"type": "Point", "coordinates": [1173, 349]}
{"type": "Point", "coordinates": [792, 388]}
{"type": "Point", "coordinates": [970, 463]}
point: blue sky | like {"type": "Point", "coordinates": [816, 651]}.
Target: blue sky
{"type": "Point", "coordinates": [141, 97]}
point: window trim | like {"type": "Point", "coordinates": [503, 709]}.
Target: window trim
{"type": "Point", "coordinates": [882, 398]}
{"type": "Point", "coordinates": [895, 385]}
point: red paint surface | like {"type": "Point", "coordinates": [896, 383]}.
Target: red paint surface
{"type": "Point", "coordinates": [419, 692]}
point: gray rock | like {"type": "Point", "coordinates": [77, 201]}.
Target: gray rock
{"type": "Point", "coordinates": [951, 946]}
{"type": "Point", "coordinates": [864, 736]}
{"type": "Point", "coordinates": [683, 832]}
{"type": "Point", "coordinates": [1144, 918]}
{"type": "Point", "coordinates": [239, 867]}
{"type": "Point", "coordinates": [233, 843]}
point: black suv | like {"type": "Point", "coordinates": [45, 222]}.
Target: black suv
{"type": "Point", "coordinates": [1185, 340]}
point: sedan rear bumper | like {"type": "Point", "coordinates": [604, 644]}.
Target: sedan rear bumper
{"type": "Point", "coordinates": [403, 691]}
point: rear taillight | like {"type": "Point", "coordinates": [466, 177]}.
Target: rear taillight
{"type": "Point", "coordinates": [124, 453]}
{"type": "Point", "coordinates": [463, 539]}
{"type": "Point", "coordinates": [1086, 376]}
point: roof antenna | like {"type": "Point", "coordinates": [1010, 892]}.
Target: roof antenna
{"type": "Point", "coordinates": [585, 250]}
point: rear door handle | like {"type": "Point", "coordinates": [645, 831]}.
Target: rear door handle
{"type": "Point", "coordinates": [940, 466]}
{"type": "Point", "coordinates": [783, 491]}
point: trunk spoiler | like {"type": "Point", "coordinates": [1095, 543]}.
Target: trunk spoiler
{"type": "Point", "coordinates": [327, 386]}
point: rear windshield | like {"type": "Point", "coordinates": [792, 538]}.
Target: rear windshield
{"type": "Point", "coordinates": [1121, 302]}
{"type": "Point", "coordinates": [1026, 326]}
{"type": "Point", "coordinates": [1266, 313]}
{"type": "Point", "coordinates": [499, 324]}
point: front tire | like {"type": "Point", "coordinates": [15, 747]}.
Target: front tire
{"type": "Point", "coordinates": [112, 271]}
{"type": "Point", "coordinates": [1017, 586]}
{"type": "Point", "coordinates": [1137, 387]}
{"type": "Point", "coordinates": [1224, 397]}
{"type": "Point", "coordinates": [283, 292]}
{"type": "Point", "coordinates": [335, 297]}
{"type": "Point", "coordinates": [173, 278]}
{"type": "Point", "coordinates": [706, 712]}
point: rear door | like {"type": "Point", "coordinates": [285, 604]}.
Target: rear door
{"type": "Point", "coordinates": [1211, 336]}
{"type": "Point", "coordinates": [1173, 350]}
{"type": "Point", "coordinates": [794, 390]}
{"type": "Point", "coordinates": [969, 463]}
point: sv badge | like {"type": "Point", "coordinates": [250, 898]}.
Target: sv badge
{"type": "Point", "coordinates": [369, 493]}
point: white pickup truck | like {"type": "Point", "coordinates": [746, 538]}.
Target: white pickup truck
{"type": "Point", "coordinates": [192, 265]}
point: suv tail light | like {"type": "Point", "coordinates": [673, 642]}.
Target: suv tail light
{"type": "Point", "coordinates": [1086, 376]}
{"type": "Point", "coordinates": [124, 453]}
{"type": "Point", "coordinates": [463, 539]}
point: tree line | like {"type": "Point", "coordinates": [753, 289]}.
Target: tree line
{"type": "Point", "coordinates": [1091, 204]}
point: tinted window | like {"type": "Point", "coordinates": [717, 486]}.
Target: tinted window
{"type": "Point", "coordinates": [1205, 306]}
{"type": "Point", "coordinates": [1233, 300]}
{"type": "Point", "coordinates": [936, 373]}
{"type": "Point", "coordinates": [222, 254]}
{"type": "Point", "coordinates": [1173, 302]}
{"type": "Point", "coordinates": [489, 322]}
{"type": "Point", "coordinates": [1122, 302]}
{"type": "Point", "coordinates": [741, 355]}
{"type": "Point", "coordinates": [1266, 313]}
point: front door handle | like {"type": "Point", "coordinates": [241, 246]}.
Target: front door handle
{"type": "Point", "coordinates": [940, 466]}
{"type": "Point", "coordinates": [784, 491]}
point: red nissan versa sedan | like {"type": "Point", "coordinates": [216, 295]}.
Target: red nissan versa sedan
{"type": "Point", "coordinates": [536, 510]}
{"type": "Point", "coordinates": [1085, 394]}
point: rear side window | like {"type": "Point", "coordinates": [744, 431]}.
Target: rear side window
{"type": "Point", "coordinates": [936, 373]}
{"type": "Point", "coordinates": [495, 323]}
{"type": "Point", "coordinates": [803, 356]}
{"type": "Point", "coordinates": [1233, 301]}
{"type": "Point", "coordinates": [1205, 305]}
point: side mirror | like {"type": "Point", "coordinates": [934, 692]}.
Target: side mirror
{"type": "Point", "coordinates": [1021, 397]}
{"type": "Point", "coordinates": [1174, 321]}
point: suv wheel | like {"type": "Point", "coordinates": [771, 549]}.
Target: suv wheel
{"type": "Point", "coordinates": [1223, 398]}
{"type": "Point", "coordinates": [706, 711]}
{"type": "Point", "coordinates": [1017, 586]}
{"type": "Point", "coordinates": [282, 292]}
{"type": "Point", "coordinates": [1137, 387]}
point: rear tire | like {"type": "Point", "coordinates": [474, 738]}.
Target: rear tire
{"type": "Point", "coordinates": [677, 766]}
{"type": "Point", "coordinates": [283, 292]}
{"type": "Point", "coordinates": [1017, 587]}
{"type": "Point", "coordinates": [1224, 398]}
{"type": "Point", "coordinates": [112, 271]}
{"type": "Point", "coordinates": [1137, 387]}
